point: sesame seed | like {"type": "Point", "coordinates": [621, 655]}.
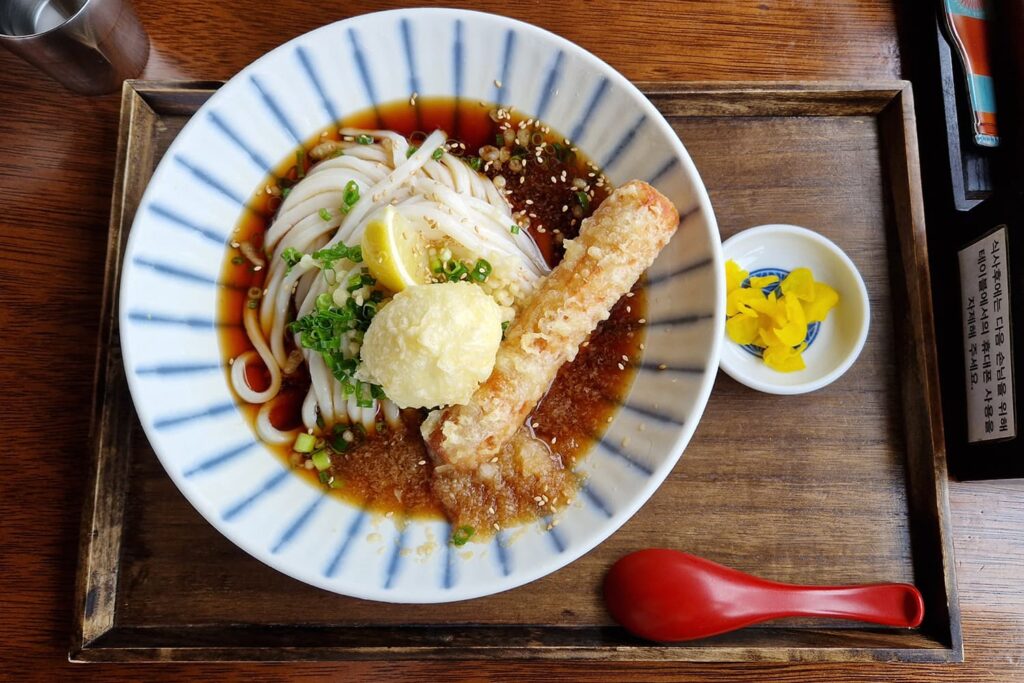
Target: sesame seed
{"type": "Point", "coordinates": [625, 357]}
{"type": "Point", "coordinates": [642, 320]}
{"type": "Point", "coordinates": [422, 462]}
{"type": "Point", "coordinates": [609, 420]}
{"type": "Point", "coordinates": [629, 309]}
{"type": "Point", "coordinates": [554, 439]}
{"type": "Point", "coordinates": [412, 100]}
{"type": "Point", "coordinates": [662, 366]}
{"type": "Point", "coordinates": [642, 346]}
{"type": "Point", "coordinates": [625, 441]}
{"type": "Point", "coordinates": [621, 366]}
{"type": "Point", "coordinates": [496, 527]}
{"type": "Point", "coordinates": [629, 295]}
{"type": "Point", "coordinates": [497, 83]}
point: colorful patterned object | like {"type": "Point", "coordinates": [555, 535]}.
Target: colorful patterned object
{"type": "Point", "coordinates": [169, 294]}
{"type": "Point", "coordinates": [966, 22]}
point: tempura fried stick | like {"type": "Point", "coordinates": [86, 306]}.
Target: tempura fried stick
{"type": "Point", "coordinates": [613, 249]}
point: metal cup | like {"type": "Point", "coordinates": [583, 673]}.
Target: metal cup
{"type": "Point", "coordinates": [89, 46]}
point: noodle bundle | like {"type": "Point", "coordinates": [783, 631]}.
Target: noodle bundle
{"type": "Point", "coordinates": [437, 192]}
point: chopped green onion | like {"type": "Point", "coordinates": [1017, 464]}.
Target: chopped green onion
{"type": "Point", "coordinates": [499, 140]}
{"type": "Point", "coordinates": [324, 301]}
{"type": "Point", "coordinates": [319, 419]}
{"type": "Point", "coordinates": [461, 535]}
{"type": "Point", "coordinates": [454, 270]}
{"type": "Point", "coordinates": [300, 164]}
{"type": "Point", "coordinates": [321, 460]}
{"type": "Point", "coordinates": [474, 163]}
{"type": "Point", "coordinates": [336, 483]}
{"type": "Point", "coordinates": [238, 260]}
{"type": "Point", "coordinates": [329, 255]}
{"type": "Point", "coordinates": [291, 256]}
{"type": "Point", "coordinates": [285, 191]}
{"type": "Point", "coordinates": [350, 197]}
{"type": "Point", "coordinates": [436, 266]}
{"type": "Point", "coordinates": [412, 150]}
{"type": "Point", "coordinates": [304, 443]}
{"type": "Point", "coordinates": [377, 391]}
{"type": "Point", "coordinates": [514, 228]}
{"type": "Point", "coordinates": [253, 303]}
{"type": "Point", "coordinates": [504, 328]}
{"type": "Point", "coordinates": [355, 282]}
{"type": "Point", "coordinates": [365, 139]}
{"type": "Point", "coordinates": [481, 270]}
{"type": "Point", "coordinates": [583, 199]}
{"type": "Point", "coordinates": [324, 478]}
{"type": "Point", "coordinates": [325, 214]}
{"type": "Point", "coordinates": [355, 254]}
{"type": "Point", "coordinates": [438, 153]}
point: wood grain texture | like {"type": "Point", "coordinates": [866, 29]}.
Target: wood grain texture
{"type": "Point", "coordinates": [133, 575]}
{"type": "Point", "coordinates": [56, 169]}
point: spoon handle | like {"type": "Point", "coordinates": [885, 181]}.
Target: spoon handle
{"type": "Point", "coordinates": [889, 604]}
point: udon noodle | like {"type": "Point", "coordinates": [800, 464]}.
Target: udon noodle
{"type": "Point", "coordinates": [453, 203]}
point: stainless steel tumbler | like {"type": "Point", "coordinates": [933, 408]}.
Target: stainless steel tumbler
{"type": "Point", "coordinates": [89, 46]}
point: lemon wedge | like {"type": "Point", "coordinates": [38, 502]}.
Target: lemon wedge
{"type": "Point", "coordinates": [394, 251]}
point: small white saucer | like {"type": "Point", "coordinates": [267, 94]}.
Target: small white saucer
{"type": "Point", "coordinates": [835, 344]}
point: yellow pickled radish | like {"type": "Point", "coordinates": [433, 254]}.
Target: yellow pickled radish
{"type": "Point", "coordinates": [825, 298]}
{"type": "Point", "coordinates": [734, 275]}
{"type": "Point", "coordinates": [778, 321]}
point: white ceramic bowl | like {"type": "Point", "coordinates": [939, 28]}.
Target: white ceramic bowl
{"type": "Point", "coordinates": [168, 305]}
{"type": "Point", "coordinates": [835, 343]}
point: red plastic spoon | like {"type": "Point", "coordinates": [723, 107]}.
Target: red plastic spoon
{"type": "Point", "coordinates": [667, 595]}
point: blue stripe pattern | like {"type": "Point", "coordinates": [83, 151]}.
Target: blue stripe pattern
{"type": "Point", "coordinates": [160, 319]}
{"type": "Point", "coordinates": [174, 271]}
{"type": "Point", "coordinates": [364, 70]}
{"type": "Point", "coordinates": [396, 558]}
{"type": "Point", "coordinates": [501, 87]}
{"type": "Point", "coordinates": [681, 320]}
{"type": "Point", "coordinates": [595, 499]}
{"type": "Point", "coordinates": [210, 234]}
{"type": "Point", "coordinates": [212, 411]}
{"type": "Point", "coordinates": [209, 180]}
{"type": "Point", "coordinates": [457, 59]}
{"type": "Point", "coordinates": [595, 101]}
{"type": "Point", "coordinates": [656, 280]}
{"type": "Point", "coordinates": [448, 580]}
{"type": "Point", "coordinates": [335, 564]}
{"type": "Point", "coordinates": [233, 135]}
{"type": "Point", "coordinates": [550, 85]}
{"type": "Point", "coordinates": [554, 535]}
{"type": "Point", "coordinates": [606, 445]}
{"type": "Point", "coordinates": [663, 170]}
{"type": "Point", "coordinates": [504, 558]}
{"type": "Point", "coordinates": [275, 109]}
{"type": "Point", "coordinates": [266, 487]}
{"type": "Point", "coordinates": [613, 157]}
{"type": "Point", "coordinates": [410, 60]}
{"type": "Point", "coordinates": [216, 461]}
{"type": "Point", "coordinates": [314, 79]}
{"type": "Point", "coordinates": [297, 525]}
{"type": "Point", "coordinates": [178, 369]}
{"type": "Point", "coordinates": [653, 414]}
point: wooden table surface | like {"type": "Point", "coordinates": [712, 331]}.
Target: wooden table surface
{"type": "Point", "coordinates": [56, 168]}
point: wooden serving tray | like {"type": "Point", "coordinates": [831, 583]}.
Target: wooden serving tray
{"type": "Point", "coordinates": [845, 485]}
